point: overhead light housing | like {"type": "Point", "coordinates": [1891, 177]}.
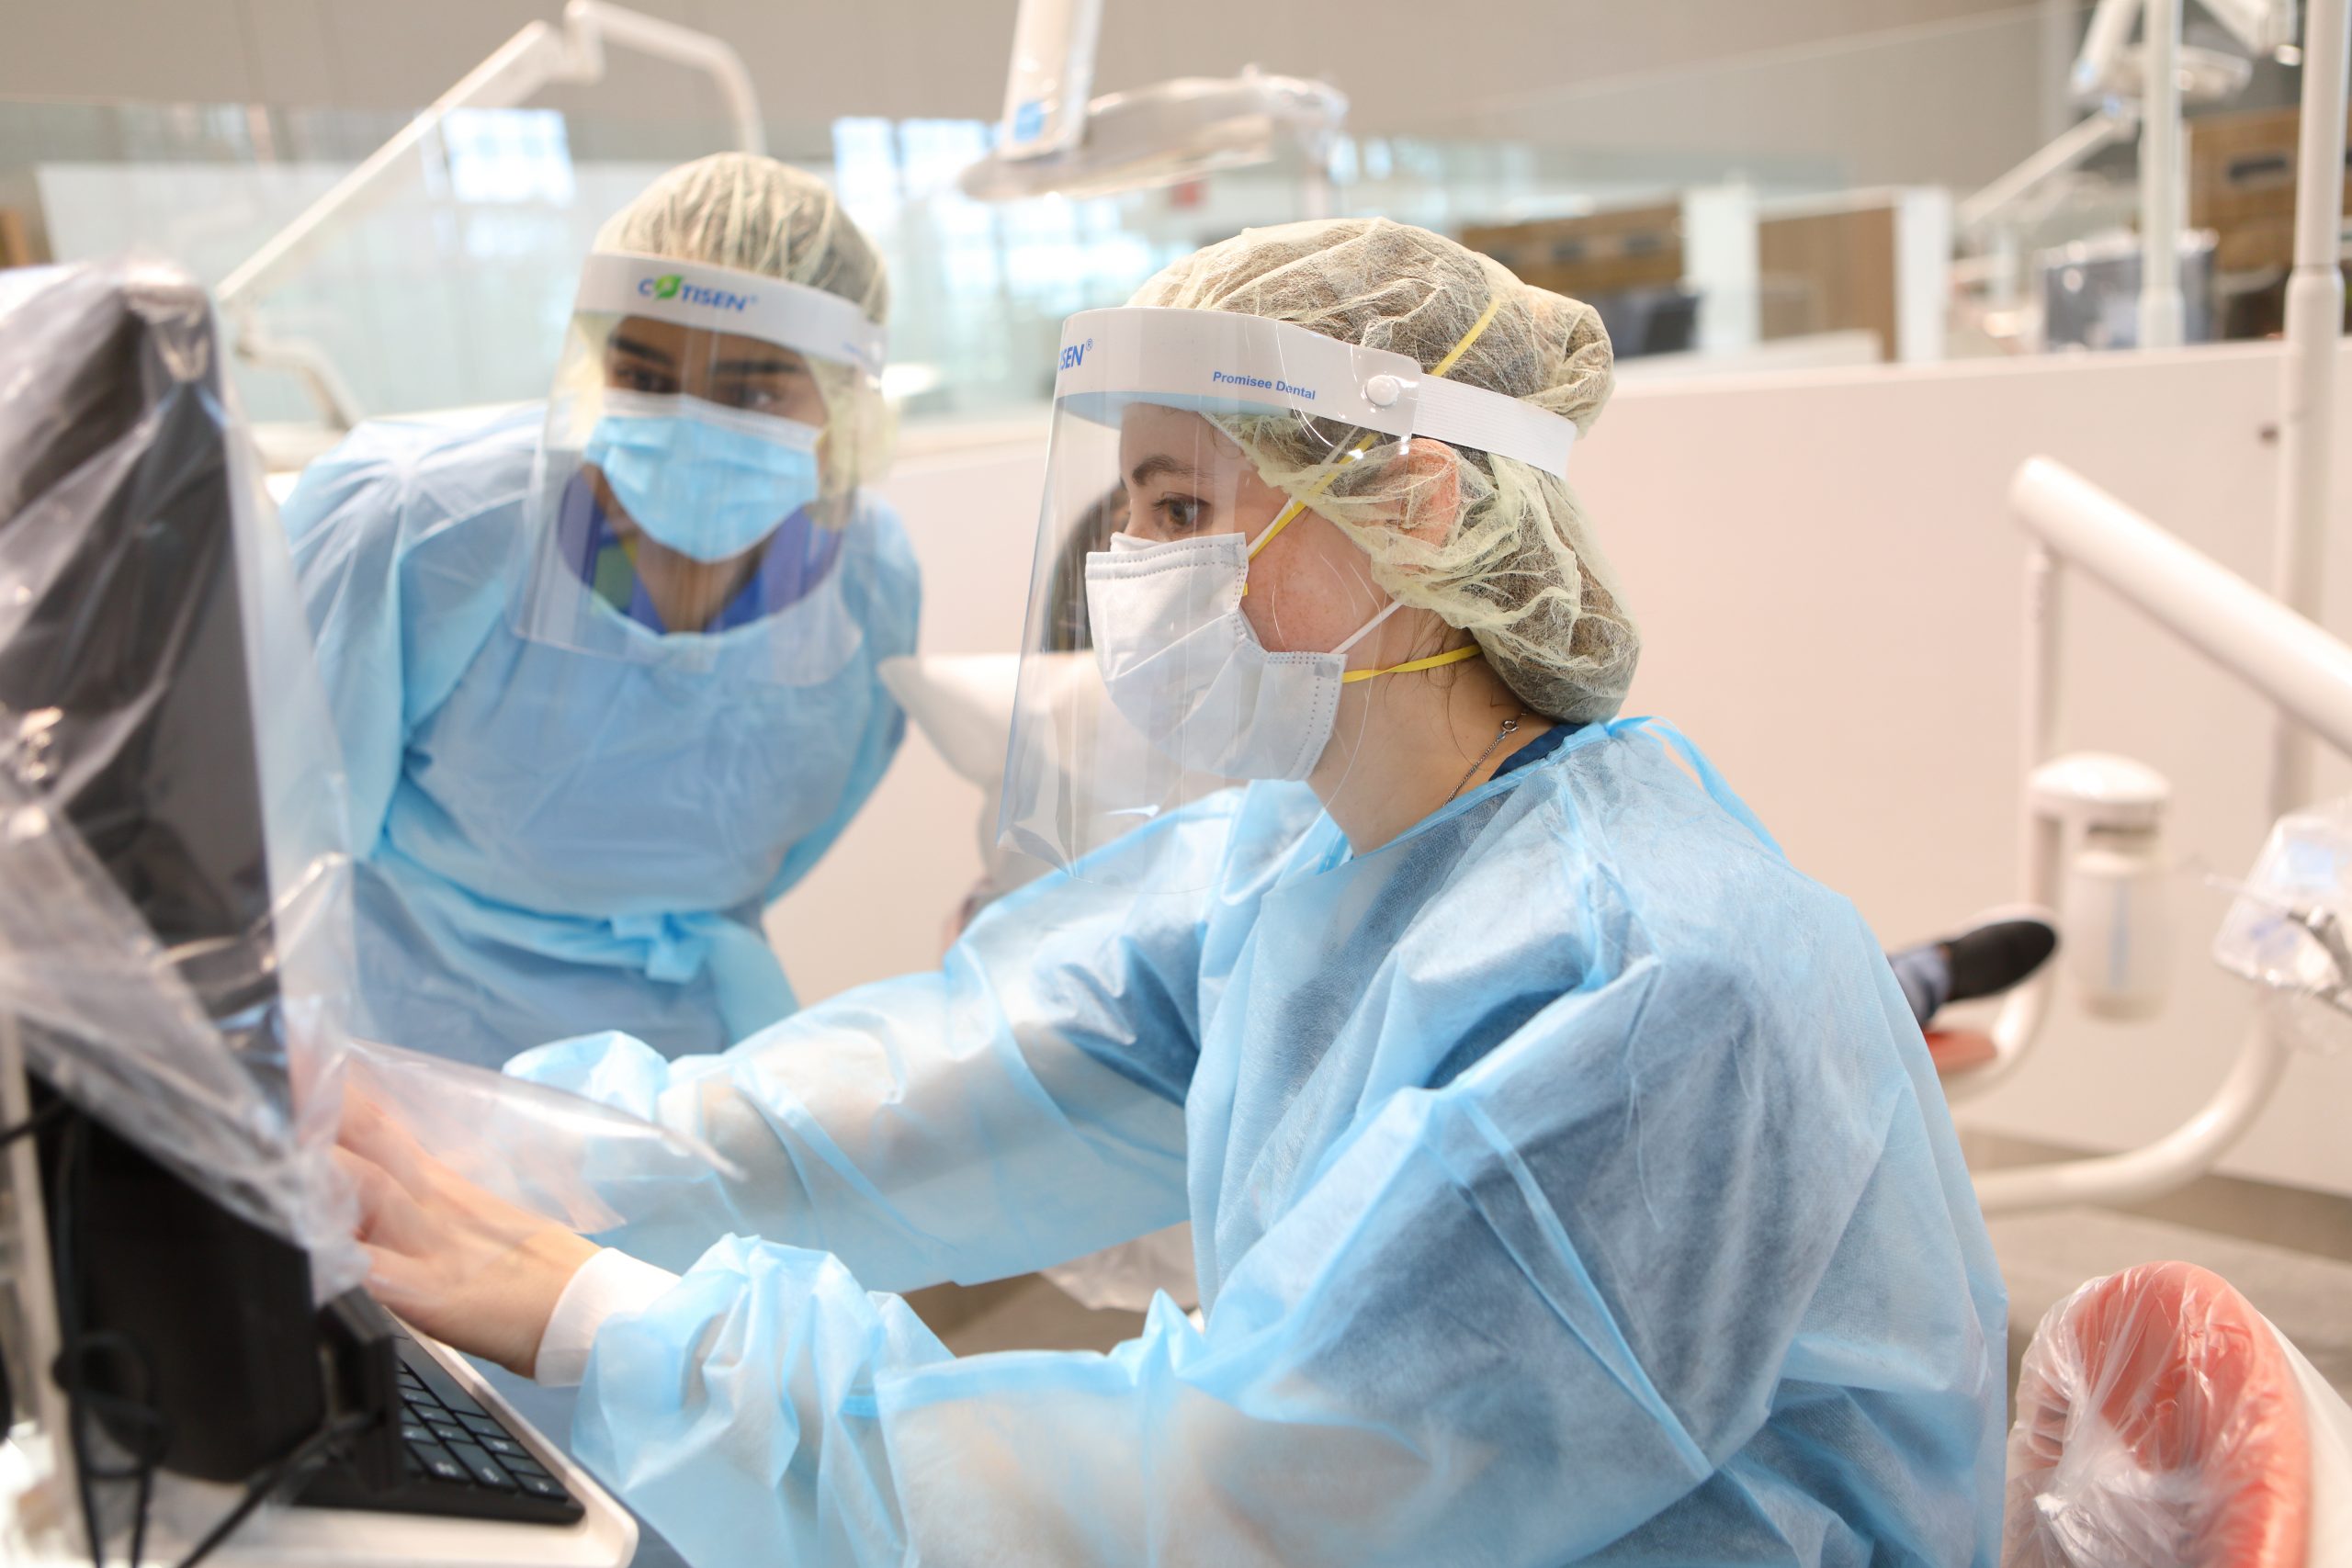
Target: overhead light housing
{"type": "Point", "coordinates": [1170, 132]}
{"type": "Point", "coordinates": [2207, 75]}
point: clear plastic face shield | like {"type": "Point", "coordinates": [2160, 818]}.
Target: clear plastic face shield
{"type": "Point", "coordinates": [695, 491]}
{"type": "Point", "coordinates": [1191, 626]}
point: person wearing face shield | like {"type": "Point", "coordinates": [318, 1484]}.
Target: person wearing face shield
{"type": "Point", "coordinates": [603, 669]}
{"type": "Point", "coordinates": [1568, 1180]}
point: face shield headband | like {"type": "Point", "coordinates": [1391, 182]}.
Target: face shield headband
{"type": "Point", "coordinates": [722, 300]}
{"type": "Point", "coordinates": [1215, 362]}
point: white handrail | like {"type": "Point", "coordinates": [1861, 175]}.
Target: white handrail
{"type": "Point", "coordinates": [2279, 653]}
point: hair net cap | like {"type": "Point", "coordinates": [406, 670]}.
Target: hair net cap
{"type": "Point", "coordinates": [757, 215]}
{"type": "Point", "coordinates": [1490, 545]}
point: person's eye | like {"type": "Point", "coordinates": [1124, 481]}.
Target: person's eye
{"type": "Point", "coordinates": [636, 379]}
{"type": "Point", "coordinates": [1179, 514]}
{"type": "Point", "coordinates": [758, 400]}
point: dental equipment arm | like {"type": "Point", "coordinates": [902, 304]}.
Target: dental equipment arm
{"type": "Point", "coordinates": [541, 55]}
{"type": "Point", "coordinates": [2299, 666]}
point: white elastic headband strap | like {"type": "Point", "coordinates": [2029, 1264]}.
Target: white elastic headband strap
{"type": "Point", "coordinates": [720, 299]}
{"type": "Point", "coordinates": [1461, 415]}
{"type": "Point", "coordinates": [1216, 360]}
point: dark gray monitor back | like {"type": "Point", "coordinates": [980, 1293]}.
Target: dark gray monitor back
{"type": "Point", "coordinates": [127, 707]}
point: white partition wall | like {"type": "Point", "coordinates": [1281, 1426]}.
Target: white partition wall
{"type": "Point", "coordinates": [877, 905]}
{"type": "Point", "coordinates": [1830, 590]}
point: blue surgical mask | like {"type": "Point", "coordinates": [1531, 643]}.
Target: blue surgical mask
{"type": "Point", "coordinates": [706, 481]}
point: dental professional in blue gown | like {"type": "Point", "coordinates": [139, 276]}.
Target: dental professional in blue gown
{"type": "Point", "coordinates": [603, 669]}
{"type": "Point", "coordinates": [1567, 1178]}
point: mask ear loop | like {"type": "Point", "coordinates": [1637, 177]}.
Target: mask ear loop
{"type": "Point", "coordinates": [1450, 656]}
{"type": "Point", "coordinates": [1369, 627]}
{"type": "Point", "coordinates": [1288, 515]}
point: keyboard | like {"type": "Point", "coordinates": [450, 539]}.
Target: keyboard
{"type": "Point", "coordinates": [457, 1460]}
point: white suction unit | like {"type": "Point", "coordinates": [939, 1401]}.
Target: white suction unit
{"type": "Point", "coordinates": [2110, 813]}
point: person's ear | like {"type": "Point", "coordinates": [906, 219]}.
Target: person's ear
{"type": "Point", "coordinates": [1432, 490]}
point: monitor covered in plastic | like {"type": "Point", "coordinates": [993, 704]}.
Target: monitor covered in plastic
{"type": "Point", "coordinates": [174, 940]}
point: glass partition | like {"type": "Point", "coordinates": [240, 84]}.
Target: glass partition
{"type": "Point", "coordinates": [1723, 216]}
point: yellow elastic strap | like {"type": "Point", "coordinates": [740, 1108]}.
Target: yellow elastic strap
{"type": "Point", "coordinates": [1450, 656]}
{"type": "Point", "coordinates": [1289, 513]}
{"type": "Point", "coordinates": [1280, 522]}
{"type": "Point", "coordinates": [1453, 356]}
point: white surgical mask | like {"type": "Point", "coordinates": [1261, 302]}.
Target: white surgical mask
{"type": "Point", "coordinates": [1183, 664]}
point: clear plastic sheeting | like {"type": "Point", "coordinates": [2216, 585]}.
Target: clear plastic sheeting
{"type": "Point", "coordinates": [2290, 929]}
{"type": "Point", "coordinates": [2330, 1419]}
{"type": "Point", "coordinates": [1193, 622]}
{"type": "Point", "coordinates": [964, 704]}
{"type": "Point", "coordinates": [1148, 683]}
{"type": "Point", "coordinates": [565, 1158]}
{"type": "Point", "coordinates": [2159, 1421]}
{"type": "Point", "coordinates": [175, 934]}
{"type": "Point", "coordinates": [122, 1035]}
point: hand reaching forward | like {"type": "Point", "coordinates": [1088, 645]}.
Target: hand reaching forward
{"type": "Point", "coordinates": [463, 1266]}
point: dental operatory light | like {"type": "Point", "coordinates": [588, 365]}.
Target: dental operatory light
{"type": "Point", "coordinates": [1056, 141]}
{"type": "Point", "coordinates": [542, 54]}
{"type": "Point", "coordinates": [2111, 66]}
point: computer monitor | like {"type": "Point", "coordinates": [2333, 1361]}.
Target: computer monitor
{"type": "Point", "coordinates": [139, 718]}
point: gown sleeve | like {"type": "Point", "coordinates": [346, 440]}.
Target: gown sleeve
{"type": "Point", "coordinates": [1022, 1106]}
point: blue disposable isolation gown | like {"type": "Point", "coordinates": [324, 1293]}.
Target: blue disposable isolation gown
{"type": "Point", "coordinates": [1568, 1180]}
{"type": "Point", "coordinates": [552, 841]}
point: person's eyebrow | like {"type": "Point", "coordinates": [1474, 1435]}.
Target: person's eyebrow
{"type": "Point", "coordinates": [1152, 467]}
{"type": "Point", "coordinates": [786, 365]}
{"type": "Point", "coordinates": [644, 351]}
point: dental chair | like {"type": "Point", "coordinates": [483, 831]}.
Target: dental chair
{"type": "Point", "coordinates": [2162, 1420]}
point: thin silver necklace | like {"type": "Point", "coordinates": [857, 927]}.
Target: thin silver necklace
{"type": "Point", "coordinates": [1509, 729]}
